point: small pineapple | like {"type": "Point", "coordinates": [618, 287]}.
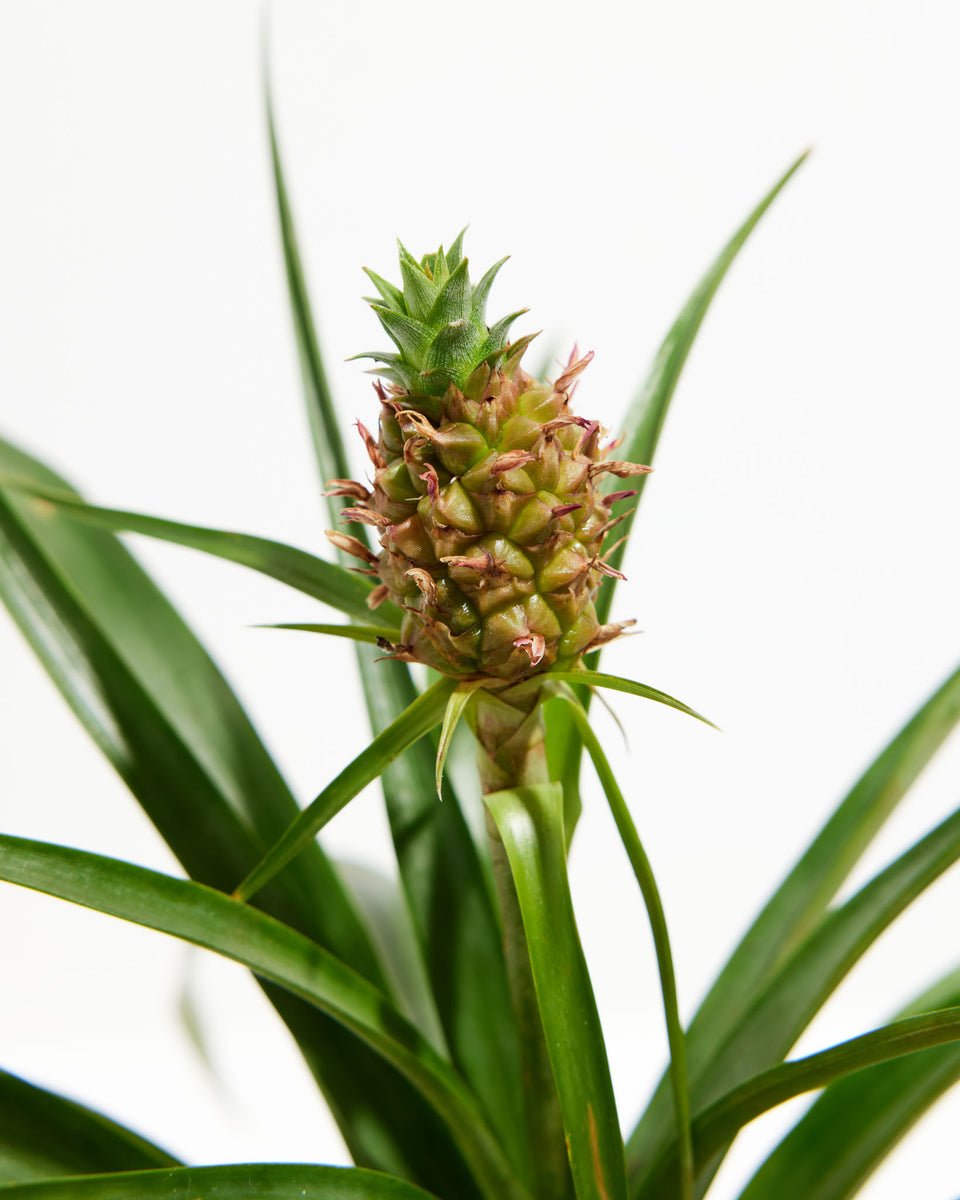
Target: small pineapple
{"type": "Point", "coordinates": [485, 492]}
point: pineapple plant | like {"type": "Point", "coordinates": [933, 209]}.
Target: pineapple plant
{"type": "Point", "coordinates": [490, 534]}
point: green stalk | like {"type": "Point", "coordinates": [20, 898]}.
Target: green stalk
{"type": "Point", "coordinates": [658, 925]}
{"type": "Point", "coordinates": [511, 753]}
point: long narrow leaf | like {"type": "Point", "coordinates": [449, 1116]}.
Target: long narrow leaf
{"type": "Point", "coordinates": [276, 952]}
{"type": "Point", "coordinates": [324, 581]}
{"type": "Point", "coordinates": [859, 1119]}
{"type": "Point", "coordinates": [641, 428]}
{"type": "Point", "coordinates": [246, 1181]}
{"type": "Point", "coordinates": [459, 936]}
{"type": "Point", "coordinates": [372, 635]}
{"type": "Point", "coordinates": [530, 822]}
{"type": "Point", "coordinates": [796, 992]}
{"type": "Point", "coordinates": [617, 684]}
{"type": "Point", "coordinates": [327, 442]}
{"type": "Point", "coordinates": [43, 1134]}
{"type": "Point", "coordinates": [167, 721]}
{"type": "Point", "coordinates": [715, 1126]}
{"type": "Point", "coordinates": [658, 925]}
{"type": "Point", "coordinates": [645, 416]}
{"type": "Point", "coordinates": [424, 714]}
{"type": "Point", "coordinates": [802, 898]}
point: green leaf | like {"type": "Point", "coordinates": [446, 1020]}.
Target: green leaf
{"type": "Point", "coordinates": [370, 634]}
{"type": "Point", "coordinates": [276, 952]}
{"type": "Point", "coordinates": [797, 990]}
{"type": "Point", "coordinates": [156, 705]}
{"type": "Point", "coordinates": [421, 716]}
{"type": "Point", "coordinates": [661, 939]}
{"type": "Point", "coordinates": [800, 901]}
{"type": "Point", "coordinates": [165, 718]}
{"type": "Point", "coordinates": [42, 1134]}
{"type": "Point", "coordinates": [456, 706]}
{"type": "Point", "coordinates": [482, 291]}
{"type": "Point", "coordinates": [530, 822]}
{"type": "Point", "coordinates": [265, 1181]}
{"type": "Point", "coordinates": [715, 1126]}
{"type": "Point", "coordinates": [644, 420]}
{"type": "Point", "coordinates": [646, 414]}
{"type": "Point", "coordinates": [617, 684]}
{"type": "Point", "coordinates": [419, 291]}
{"type": "Point", "coordinates": [858, 1120]}
{"type": "Point", "coordinates": [324, 581]}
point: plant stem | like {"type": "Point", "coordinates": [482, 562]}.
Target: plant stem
{"type": "Point", "coordinates": [511, 753]}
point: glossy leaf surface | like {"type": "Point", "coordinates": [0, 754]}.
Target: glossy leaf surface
{"type": "Point", "coordinates": [246, 1181]}
{"type": "Point", "coordinates": [530, 822]}
{"type": "Point", "coordinates": [276, 952]}
{"type": "Point", "coordinates": [43, 1134]}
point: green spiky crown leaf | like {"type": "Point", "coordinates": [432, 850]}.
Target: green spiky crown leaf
{"type": "Point", "coordinates": [437, 321]}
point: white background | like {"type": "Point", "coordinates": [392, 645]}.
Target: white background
{"type": "Point", "coordinates": [795, 570]}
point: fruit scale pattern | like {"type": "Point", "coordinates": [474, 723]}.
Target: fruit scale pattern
{"type": "Point", "coordinates": [485, 491]}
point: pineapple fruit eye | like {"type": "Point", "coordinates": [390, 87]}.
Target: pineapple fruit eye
{"type": "Point", "coordinates": [486, 500]}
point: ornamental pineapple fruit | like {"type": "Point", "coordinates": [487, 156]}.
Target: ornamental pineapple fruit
{"type": "Point", "coordinates": [485, 490]}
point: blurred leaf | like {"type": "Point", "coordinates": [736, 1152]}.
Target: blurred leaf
{"type": "Point", "coordinates": [530, 822]}
{"type": "Point", "coordinates": [165, 718]}
{"type": "Point", "coordinates": [418, 719]}
{"type": "Point", "coordinates": [324, 581]}
{"type": "Point", "coordinates": [715, 1126]}
{"type": "Point", "coordinates": [245, 1181]}
{"type": "Point", "coordinates": [796, 991]}
{"type": "Point", "coordinates": [442, 875]}
{"type": "Point", "coordinates": [384, 907]}
{"type": "Point", "coordinates": [859, 1119]}
{"type": "Point", "coordinates": [802, 898]}
{"type": "Point", "coordinates": [43, 1134]}
{"type": "Point", "coordinates": [276, 952]}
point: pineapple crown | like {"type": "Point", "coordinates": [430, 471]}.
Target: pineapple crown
{"type": "Point", "coordinates": [438, 323]}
